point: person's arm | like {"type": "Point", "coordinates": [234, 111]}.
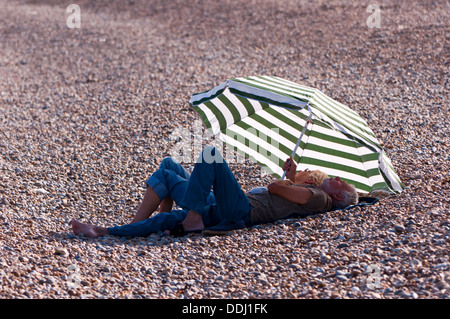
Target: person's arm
{"type": "Point", "coordinates": [296, 194]}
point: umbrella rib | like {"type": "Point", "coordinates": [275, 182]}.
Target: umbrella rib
{"type": "Point", "coordinates": [300, 138]}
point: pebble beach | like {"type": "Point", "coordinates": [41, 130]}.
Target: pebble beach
{"type": "Point", "coordinates": [88, 111]}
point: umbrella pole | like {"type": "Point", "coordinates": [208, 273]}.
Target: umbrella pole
{"type": "Point", "coordinates": [299, 140]}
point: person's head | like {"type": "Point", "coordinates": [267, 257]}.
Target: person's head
{"type": "Point", "coordinates": [342, 193]}
{"type": "Point", "coordinates": [310, 177]}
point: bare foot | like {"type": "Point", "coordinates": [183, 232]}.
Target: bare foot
{"type": "Point", "coordinates": [88, 229]}
{"type": "Point", "coordinates": [193, 221]}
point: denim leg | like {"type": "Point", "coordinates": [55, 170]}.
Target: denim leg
{"type": "Point", "coordinates": [171, 164]}
{"type": "Point", "coordinates": [167, 183]}
{"type": "Point", "coordinates": [171, 180]}
{"type": "Point", "coordinates": [211, 171]}
{"type": "Point", "coordinates": [154, 224]}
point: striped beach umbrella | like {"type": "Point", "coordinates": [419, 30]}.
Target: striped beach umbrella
{"type": "Point", "coordinates": [268, 119]}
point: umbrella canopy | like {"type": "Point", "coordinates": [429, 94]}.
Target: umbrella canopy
{"type": "Point", "coordinates": [269, 119]}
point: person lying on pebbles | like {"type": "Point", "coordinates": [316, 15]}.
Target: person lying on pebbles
{"type": "Point", "coordinates": [211, 200]}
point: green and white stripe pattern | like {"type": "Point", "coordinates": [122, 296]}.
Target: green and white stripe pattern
{"type": "Point", "coordinates": [263, 117]}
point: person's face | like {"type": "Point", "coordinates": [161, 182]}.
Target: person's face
{"type": "Point", "coordinates": [335, 185]}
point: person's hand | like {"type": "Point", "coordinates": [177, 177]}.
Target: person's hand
{"type": "Point", "coordinates": [290, 167]}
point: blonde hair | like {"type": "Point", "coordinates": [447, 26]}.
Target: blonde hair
{"type": "Point", "coordinates": [317, 177]}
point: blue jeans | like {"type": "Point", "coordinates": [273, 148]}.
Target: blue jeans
{"type": "Point", "coordinates": [170, 180]}
{"type": "Point", "coordinates": [211, 171]}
